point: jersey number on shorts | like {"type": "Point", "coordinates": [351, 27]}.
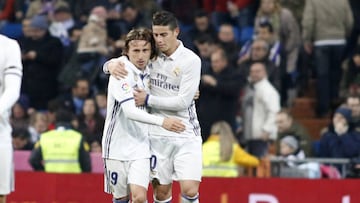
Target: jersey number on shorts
{"type": "Point", "coordinates": [152, 162]}
{"type": "Point", "coordinates": [113, 176]}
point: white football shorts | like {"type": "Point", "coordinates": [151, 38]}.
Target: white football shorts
{"type": "Point", "coordinates": [175, 158]}
{"type": "Point", "coordinates": [6, 169]}
{"type": "Point", "coordinates": [120, 174]}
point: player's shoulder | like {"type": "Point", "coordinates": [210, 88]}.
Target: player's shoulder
{"type": "Point", "coordinates": [189, 52]}
{"type": "Point", "coordinates": [4, 40]}
{"type": "Point", "coordinates": [189, 57]}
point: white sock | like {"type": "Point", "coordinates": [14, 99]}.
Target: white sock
{"type": "Point", "coordinates": [168, 200]}
{"type": "Point", "coordinates": [186, 199]}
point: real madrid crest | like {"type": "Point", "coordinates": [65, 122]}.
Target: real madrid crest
{"type": "Point", "coordinates": [177, 71]}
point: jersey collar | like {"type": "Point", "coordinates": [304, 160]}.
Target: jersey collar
{"type": "Point", "coordinates": [176, 53]}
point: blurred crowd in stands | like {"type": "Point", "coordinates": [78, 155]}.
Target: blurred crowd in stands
{"type": "Point", "coordinates": [257, 57]}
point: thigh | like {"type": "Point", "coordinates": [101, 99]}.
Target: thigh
{"type": "Point", "coordinates": [6, 169]}
{"type": "Point", "coordinates": [161, 161]}
{"type": "Point", "coordinates": [188, 159]}
{"type": "Point", "coordinates": [139, 173]}
{"type": "Point", "coordinates": [115, 180]}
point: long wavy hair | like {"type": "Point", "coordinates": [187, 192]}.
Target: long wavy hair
{"type": "Point", "coordinates": [227, 139]}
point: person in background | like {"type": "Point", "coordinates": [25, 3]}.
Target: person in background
{"type": "Point", "coordinates": [21, 139]}
{"type": "Point", "coordinates": [261, 103]}
{"type": "Point", "coordinates": [62, 150]}
{"type": "Point", "coordinates": [101, 103]}
{"type": "Point", "coordinates": [286, 125]}
{"type": "Point", "coordinates": [202, 26]}
{"type": "Point", "coordinates": [222, 155]}
{"type": "Point", "coordinates": [259, 52]}
{"type": "Point", "coordinates": [291, 150]}
{"type": "Point", "coordinates": [219, 87]}
{"type": "Point", "coordinates": [38, 125]}
{"type": "Point", "coordinates": [351, 66]}
{"type": "Point", "coordinates": [91, 123]}
{"type": "Point", "coordinates": [286, 30]}
{"type": "Point", "coordinates": [19, 117]}
{"type": "Point", "coordinates": [353, 103]}
{"type": "Point", "coordinates": [228, 41]}
{"type": "Point", "coordinates": [340, 140]}
{"type": "Point", "coordinates": [74, 100]}
{"type": "Point", "coordinates": [92, 49]}
{"type": "Point", "coordinates": [326, 25]}
{"type": "Point", "coordinates": [42, 59]}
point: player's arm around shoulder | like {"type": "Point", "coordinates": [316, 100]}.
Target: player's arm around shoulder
{"type": "Point", "coordinates": [116, 67]}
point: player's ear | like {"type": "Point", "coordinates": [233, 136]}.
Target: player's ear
{"type": "Point", "coordinates": [177, 31]}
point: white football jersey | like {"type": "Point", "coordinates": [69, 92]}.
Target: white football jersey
{"type": "Point", "coordinates": [10, 63]}
{"type": "Point", "coordinates": [174, 81]}
{"type": "Point", "coordinates": [125, 139]}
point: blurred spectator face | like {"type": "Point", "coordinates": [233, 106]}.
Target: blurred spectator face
{"type": "Point", "coordinates": [40, 122]}
{"type": "Point", "coordinates": [283, 122]}
{"type": "Point", "coordinates": [165, 38]}
{"type": "Point", "coordinates": [129, 14]}
{"type": "Point", "coordinates": [257, 72]}
{"type": "Point", "coordinates": [50, 117]}
{"type": "Point", "coordinates": [101, 100]}
{"type": "Point", "coordinates": [89, 107]}
{"type": "Point", "coordinates": [285, 149]}
{"type": "Point", "coordinates": [267, 6]}
{"type": "Point", "coordinates": [98, 15]}
{"type": "Point", "coordinates": [218, 62]}
{"type": "Point", "coordinates": [27, 30]}
{"type": "Point", "coordinates": [18, 111]}
{"type": "Point", "coordinates": [19, 142]}
{"type": "Point", "coordinates": [20, 138]}
{"type": "Point", "coordinates": [139, 53]}
{"type": "Point", "coordinates": [205, 50]}
{"type": "Point", "coordinates": [95, 147]}
{"type": "Point", "coordinates": [339, 119]}
{"type": "Point", "coordinates": [258, 50]}
{"type": "Point", "coordinates": [37, 33]}
{"type": "Point", "coordinates": [265, 34]}
{"type": "Point", "coordinates": [354, 104]}
{"type": "Point", "coordinates": [226, 33]}
{"type": "Point", "coordinates": [202, 23]}
{"type": "Point", "coordinates": [356, 59]}
{"type": "Point", "coordinates": [82, 89]}
{"type": "Point", "coordinates": [62, 16]}
{"type": "Point", "coordinates": [340, 124]}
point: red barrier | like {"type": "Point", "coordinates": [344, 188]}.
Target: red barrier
{"type": "Point", "coordinates": [21, 161]}
{"type": "Point", "coordinates": [37, 187]}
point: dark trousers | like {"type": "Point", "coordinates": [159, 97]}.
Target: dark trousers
{"type": "Point", "coordinates": [328, 70]}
